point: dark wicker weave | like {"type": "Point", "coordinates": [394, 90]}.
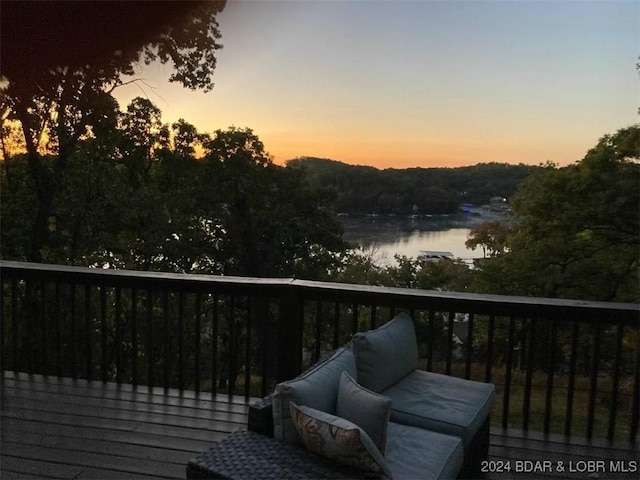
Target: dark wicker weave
{"type": "Point", "coordinates": [249, 455]}
{"type": "Point", "coordinates": [261, 417]}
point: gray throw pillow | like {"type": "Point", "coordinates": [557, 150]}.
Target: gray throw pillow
{"type": "Point", "coordinates": [368, 410]}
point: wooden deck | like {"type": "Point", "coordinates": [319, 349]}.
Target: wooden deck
{"type": "Point", "coordinates": [61, 428]}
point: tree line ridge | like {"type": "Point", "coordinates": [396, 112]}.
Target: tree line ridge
{"type": "Point", "coordinates": [438, 190]}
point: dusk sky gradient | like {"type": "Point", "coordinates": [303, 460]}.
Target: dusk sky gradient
{"type": "Point", "coordinates": [417, 83]}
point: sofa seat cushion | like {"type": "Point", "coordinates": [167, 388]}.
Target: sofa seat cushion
{"type": "Point", "coordinates": [316, 388]}
{"type": "Point", "coordinates": [441, 403]}
{"type": "Point", "coordinates": [417, 453]}
{"type": "Point", "coordinates": [386, 354]}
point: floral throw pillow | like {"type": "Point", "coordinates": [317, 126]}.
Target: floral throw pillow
{"type": "Point", "coordinates": [337, 439]}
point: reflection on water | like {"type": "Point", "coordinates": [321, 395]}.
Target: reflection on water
{"type": "Point", "coordinates": [390, 236]}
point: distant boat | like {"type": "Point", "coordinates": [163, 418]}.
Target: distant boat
{"type": "Point", "coordinates": [432, 254]}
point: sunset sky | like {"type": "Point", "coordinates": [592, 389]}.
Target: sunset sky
{"type": "Point", "coordinates": [417, 83]}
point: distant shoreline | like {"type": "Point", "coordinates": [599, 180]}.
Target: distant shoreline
{"type": "Point", "coordinates": [430, 222]}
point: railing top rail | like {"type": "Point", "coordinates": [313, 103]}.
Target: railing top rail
{"type": "Point", "coordinates": [136, 278]}
{"type": "Point", "coordinates": [458, 298]}
{"type": "Point", "coordinates": [364, 294]}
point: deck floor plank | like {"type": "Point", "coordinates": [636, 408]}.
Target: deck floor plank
{"type": "Point", "coordinates": [79, 411]}
{"type": "Point", "coordinates": [124, 392]}
{"type": "Point", "coordinates": [567, 460]}
{"type": "Point", "coordinates": [71, 429]}
{"type": "Point", "coordinates": [63, 428]}
{"type": "Point", "coordinates": [77, 432]}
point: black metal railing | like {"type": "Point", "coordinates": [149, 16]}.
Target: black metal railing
{"type": "Point", "coordinates": [560, 366]}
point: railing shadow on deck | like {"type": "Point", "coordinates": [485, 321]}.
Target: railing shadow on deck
{"type": "Point", "coordinates": [560, 366]}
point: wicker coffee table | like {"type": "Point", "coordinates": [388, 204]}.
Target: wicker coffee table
{"type": "Point", "coordinates": [250, 455]}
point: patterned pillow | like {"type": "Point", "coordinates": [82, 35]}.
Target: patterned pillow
{"type": "Point", "coordinates": [337, 439]}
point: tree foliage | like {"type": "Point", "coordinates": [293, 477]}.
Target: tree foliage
{"type": "Point", "coordinates": [271, 220]}
{"type": "Point", "coordinates": [363, 189]}
{"type": "Point", "coordinates": [491, 236]}
{"type": "Point", "coordinates": [138, 197]}
{"type": "Point", "coordinates": [62, 94]}
{"type": "Point", "coordinates": [43, 36]}
{"type": "Point", "coordinates": [578, 228]}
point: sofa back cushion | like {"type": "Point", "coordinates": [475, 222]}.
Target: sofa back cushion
{"type": "Point", "coordinates": [386, 354]}
{"type": "Point", "coordinates": [316, 388]}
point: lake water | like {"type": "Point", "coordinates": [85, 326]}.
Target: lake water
{"type": "Point", "coordinates": [389, 236]}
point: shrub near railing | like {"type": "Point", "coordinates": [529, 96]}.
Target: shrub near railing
{"type": "Point", "coordinates": [560, 366]}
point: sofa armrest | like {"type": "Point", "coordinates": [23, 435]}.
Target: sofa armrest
{"type": "Point", "coordinates": [261, 417]}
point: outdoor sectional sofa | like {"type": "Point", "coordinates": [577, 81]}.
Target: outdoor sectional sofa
{"type": "Point", "coordinates": [395, 421]}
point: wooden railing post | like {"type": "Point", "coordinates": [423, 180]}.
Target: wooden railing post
{"type": "Point", "coordinates": [289, 351]}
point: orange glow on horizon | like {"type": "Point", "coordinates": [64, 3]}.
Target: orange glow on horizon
{"type": "Point", "coordinates": [435, 156]}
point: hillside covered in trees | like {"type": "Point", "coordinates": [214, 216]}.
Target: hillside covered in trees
{"type": "Point", "coordinates": [363, 189]}
{"type": "Point", "coordinates": [575, 236]}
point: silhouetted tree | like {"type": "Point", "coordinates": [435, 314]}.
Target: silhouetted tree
{"type": "Point", "coordinates": [61, 75]}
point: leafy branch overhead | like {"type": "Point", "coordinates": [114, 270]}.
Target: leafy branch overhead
{"type": "Point", "coordinates": [110, 37]}
{"type": "Point", "coordinates": [59, 75]}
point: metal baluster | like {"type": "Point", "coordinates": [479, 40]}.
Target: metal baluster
{"type": "Point", "coordinates": [30, 347]}
{"type": "Point", "coordinates": [568, 419]}
{"type": "Point", "coordinates": [232, 369]}
{"type": "Point", "coordinates": [214, 348]}
{"type": "Point", "coordinates": [432, 319]}
{"type": "Point", "coordinates": [166, 383]}
{"type": "Point", "coordinates": [265, 348]}
{"type": "Point", "coordinates": [181, 300]}
{"type": "Point", "coordinates": [134, 336]}
{"type": "Point", "coordinates": [354, 319]}
{"type": "Point", "coordinates": [88, 326]}
{"type": "Point", "coordinates": [490, 333]}
{"type": "Point", "coordinates": [469, 341]}
{"type": "Point", "coordinates": [44, 347]}
{"type": "Point", "coordinates": [74, 342]}
{"type": "Point", "coordinates": [247, 353]}
{"type": "Point", "coordinates": [336, 326]}
{"type": "Point", "coordinates": [197, 340]}
{"type": "Point", "coordinates": [449, 343]}
{"type": "Point", "coordinates": [635, 405]}
{"type": "Point", "coordinates": [316, 349]}
{"type": "Point", "coordinates": [374, 311]}
{"type": "Point", "coordinates": [118, 335]}
{"type": "Point", "coordinates": [3, 347]}
{"type": "Point", "coordinates": [150, 356]}
{"type": "Point", "coordinates": [526, 401]}
{"type": "Point", "coordinates": [594, 379]}
{"type": "Point", "coordinates": [14, 323]}
{"type": "Point", "coordinates": [507, 381]}
{"type": "Point", "coordinates": [613, 406]}
{"type": "Point", "coordinates": [103, 331]}
{"type": "Point", "coordinates": [551, 367]}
